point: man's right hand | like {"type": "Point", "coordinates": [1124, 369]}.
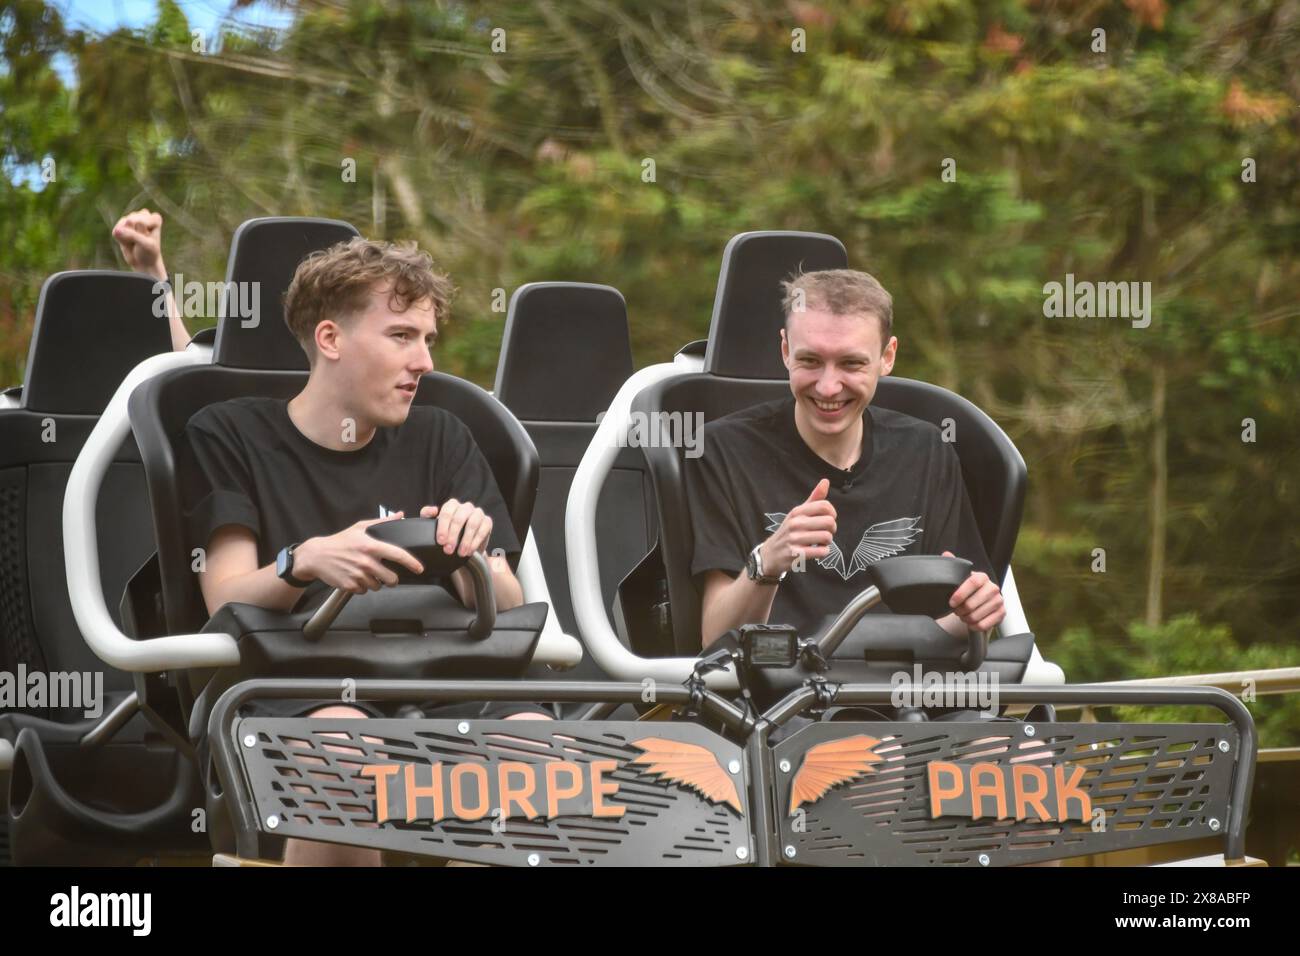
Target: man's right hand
{"type": "Point", "coordinates": [807, 530]}
{"type": "Point", "coordinates": [352, 559]}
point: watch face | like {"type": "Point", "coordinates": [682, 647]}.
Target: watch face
{"type": "Point", "coordinates": [751, 565]}
{"type": "Point", "coordinates": [282, 562]}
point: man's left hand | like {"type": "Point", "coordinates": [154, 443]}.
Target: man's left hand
{"type": "Point", "coordinates": [978, 601]}
{"type": "Point", "coordinates": [457, 515]}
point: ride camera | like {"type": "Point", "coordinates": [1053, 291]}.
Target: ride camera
{"type": "Point", "coordinates": [769, 645]}
{"type": "Point", "coordinates": [756, 647]}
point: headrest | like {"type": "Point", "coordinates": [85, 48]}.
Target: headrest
{"type": "Point", "coordinates": [267, 252]}
{"type": "Point", "coordinates": [744, 337]}
{"type": "Point", "coordinates": [92, 327]}
{"type": "Point", "coordinates": [565, 351]}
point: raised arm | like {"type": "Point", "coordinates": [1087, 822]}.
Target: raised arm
{"type": "Point", "coordinates": [139, 236]}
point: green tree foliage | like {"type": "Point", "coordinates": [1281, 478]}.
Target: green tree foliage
{"type": "Point", "coordinates": [1183, 645]}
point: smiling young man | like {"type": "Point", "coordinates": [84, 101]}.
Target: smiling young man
{"type": "Point", "coordinates": [284, 490]}
{"type": "Point", "coordinates": [791, 500]}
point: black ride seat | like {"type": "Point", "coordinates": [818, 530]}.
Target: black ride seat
{"type": "Point", "coordinates": [91, 329]}
{"type": "Point", "coordinates": [565, 353]}
{"type": "Point", "coordinates": [742, 368]}
{"type": "Point", "coordinates": [161, 407]}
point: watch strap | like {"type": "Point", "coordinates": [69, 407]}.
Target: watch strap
{"type": "Point", "coordinates": [756, 563]}
{"type": "Point", "coordinates": [287, 575]}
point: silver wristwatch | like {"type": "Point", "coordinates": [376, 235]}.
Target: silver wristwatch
{"type": "Point", "coordinates": [754, 568]}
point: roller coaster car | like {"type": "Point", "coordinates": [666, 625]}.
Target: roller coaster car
{"type": "Point", "coordinates": [731, 772]}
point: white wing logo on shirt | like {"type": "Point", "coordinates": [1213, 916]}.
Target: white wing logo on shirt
{"type": "Point", "coordinates": [882, 540]}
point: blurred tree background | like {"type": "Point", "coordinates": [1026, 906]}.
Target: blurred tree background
{"type": "Point", "coordinates": [1118, 140]}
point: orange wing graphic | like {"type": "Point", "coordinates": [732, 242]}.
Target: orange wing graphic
{"type": "Point", "coordinates": [830, 764]}
{"type": "Point", "coordinates": [690, 765]}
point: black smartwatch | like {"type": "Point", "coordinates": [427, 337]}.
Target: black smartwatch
{"type": "Point", "coordinates": [754, 568]}
{"type": "Point", "coordinates": [284, 567]}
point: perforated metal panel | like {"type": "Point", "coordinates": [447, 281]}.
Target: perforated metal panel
{"type": "Point", "coordinates": [1152, 783]}
{"type": "Point", "coordinates": [678, 789]}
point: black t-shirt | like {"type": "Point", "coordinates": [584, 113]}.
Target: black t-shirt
{"type": "Point", "coordinates": [905, 495]}
{"type": "Point", "coordinates": [248, 464]}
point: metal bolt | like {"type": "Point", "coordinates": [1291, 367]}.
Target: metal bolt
{"type": "Point", "coordinates": [984, 859]}
{"type": "Point", "coordinates": [1214, 824]}
{"type": "Point", "coordinates": [1029, 730]}
{"type": "Point", "coordinates": [785, 766]}
{"type": "Point", "coordinates": [534, 859]}
{"type": "Point", "coordinates": [1224, 746]}
{"type": "Point", "coordinates": [742, 853]}
{"type": "Point", "coordinates": [463, 726]}
{"type": "Point", "coordinates": [733, 766]}
{"type": "Point", "coordinates": [790, 852]}
{"type": "Point", "coordinates": [272, 822]}
{"type": "Point", "coordinates": [250, 740]}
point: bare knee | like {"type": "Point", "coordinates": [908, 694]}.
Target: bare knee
{"type": "Point", "coordinates": [312, 853]}
{"type": "Point", "coordinates": [339, 710]}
